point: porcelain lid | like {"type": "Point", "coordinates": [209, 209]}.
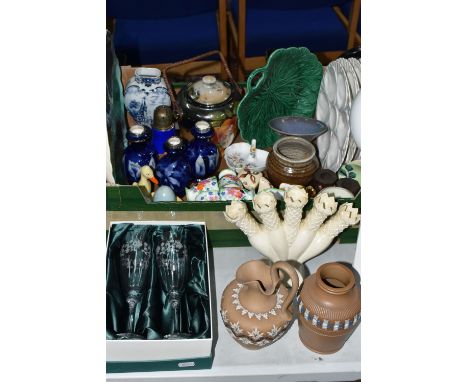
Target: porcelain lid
{"type": "Point", "coordinates": [209, 91]}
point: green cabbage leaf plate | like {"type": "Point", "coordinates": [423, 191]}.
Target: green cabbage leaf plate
{"type": "Point", "coordinates": [288, 86]}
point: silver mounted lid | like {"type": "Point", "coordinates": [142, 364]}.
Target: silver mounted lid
{"type": "Point", "coordinates": [137, 129]}
{"type": "Point", "coordinates": [209, 91]}
{"type": "Point", "coordinates": [174, 143]}
{"type": "Point", "coordinates": [202, 126]}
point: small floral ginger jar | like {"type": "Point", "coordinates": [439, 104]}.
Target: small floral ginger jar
{"type": "Point", "coordinates": [202, 154]}
{"type": "Point", "coordinates": [173, 169]}
{"type": "Point", "coordinates": [139, 152]}
{"type": "Point", "coordinates": [143, 93]}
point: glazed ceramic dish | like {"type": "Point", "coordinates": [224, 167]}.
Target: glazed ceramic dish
{"type": "Point", "coordinates": [288, 85]}
{"type": "Point", "coordinates": [357, 68]}
{"type": "Point", "coordinates": [238, 156]}
{"type": "Point", "coordinates": [355, 87]}
{"type": "Point", "coordinates": [337, 192]}
{"type": "Point", "coordinates": [351, 170]}
{"type": "Point", "coordinates": [334, 102]}
{"type": "Point", "coordinates": [339, 87]}
{"type": "Point", "coordinates": [307, 128]}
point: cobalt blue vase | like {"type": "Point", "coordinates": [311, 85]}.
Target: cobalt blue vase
{"type": "Point", "coordinates": [202, 154]}
{"type": "Point", "coordinates": [139, 152]}
{"type": "Point", "coordinates": [173, 169]}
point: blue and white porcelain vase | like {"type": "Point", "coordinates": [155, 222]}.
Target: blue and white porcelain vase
{"type": "Point", "coordinates": [139, 152]}
{"type": "Point", "coordinates": [143, 93]}
{"type": "Point", "coordinates": [202, 154]}
{"type": "Point", "coordinates": [173, 169]}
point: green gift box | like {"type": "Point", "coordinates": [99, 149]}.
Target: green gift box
{"type": "Point", "coordinates": [148, 296]}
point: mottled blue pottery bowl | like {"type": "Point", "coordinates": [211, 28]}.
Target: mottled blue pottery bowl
{"type": "Point", "coordinates": [307, 128]}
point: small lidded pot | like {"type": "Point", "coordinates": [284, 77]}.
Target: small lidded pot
{"type": "Point", "coordinates": [293, 161]}
{"type": "Point", "coordinates": [329, 308]}
{"type": "Point", "coordinates": [213, 101]}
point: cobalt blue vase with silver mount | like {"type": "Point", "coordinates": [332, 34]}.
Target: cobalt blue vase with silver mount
{"type": "Point", "coordinates": [173, 169]}
{"type": "Point", "coordinates": [139, 152]}
{"type": "Point", "coordinates": [202, 154]}
{"type": "Point", "coordinates": [143, 93]}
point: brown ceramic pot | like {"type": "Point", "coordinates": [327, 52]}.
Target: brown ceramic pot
{"type": "Point", "coordinates": [293, 161]}
{"type": "Point", "coordinates": [329, 308]}
{"type": "Point", "coordinates": [255, 306]}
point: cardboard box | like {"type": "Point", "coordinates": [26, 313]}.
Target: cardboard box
{"type": "Point", "coordinates": [158, 354]}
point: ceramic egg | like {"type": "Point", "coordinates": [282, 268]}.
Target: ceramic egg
{"type": "Point", "coordinates": [164, 194]}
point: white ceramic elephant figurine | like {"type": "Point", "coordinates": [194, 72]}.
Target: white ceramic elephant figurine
{"type": "Point", "coordinates": [292, 238]}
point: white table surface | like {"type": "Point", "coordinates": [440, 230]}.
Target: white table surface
{"type": "Point", "coordinates": [285, 360]}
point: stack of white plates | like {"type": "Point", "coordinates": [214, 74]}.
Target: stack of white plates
{"type": "Point", "coordinates": [341, 83]}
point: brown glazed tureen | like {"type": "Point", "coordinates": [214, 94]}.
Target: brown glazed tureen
{"type": "Point", "coordinates": [329, 308]}
{"type": "Point", "coordinates": [255, 306]}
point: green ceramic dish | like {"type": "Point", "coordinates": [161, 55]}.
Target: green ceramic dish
{"type": "Point", "coordinates": [288, 85]}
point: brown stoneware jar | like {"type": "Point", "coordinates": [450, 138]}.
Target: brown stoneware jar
{"type": "Point", "coordinates": [329, 308]}
{"type": "Point", "coordinates": [255, 306]}
{"type": "Point", "coordinates": [293, 161]}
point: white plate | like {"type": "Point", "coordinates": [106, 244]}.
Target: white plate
{"type": "Point", "coordinates": [351, 76]}
{"type": "Point", "coordinates": [355, 88]}
{"type": "Point", "coordinates": [332, 146]}
{"type": "Point", "coordinates": [357, 67]}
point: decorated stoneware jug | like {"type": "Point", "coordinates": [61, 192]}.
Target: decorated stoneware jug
{"type": "Point", "coordinates": [202, 154]}
{"type": "Point", "coordinates": [173, 169]}
{"type": "Point", "coordinates": [255, 306]}
{"type": "Point", "coordinates": [139, 152]}
{"type": "Point", "coordinates": [143, 93]}
{"type": "Point", "coordinates": [329, 308]}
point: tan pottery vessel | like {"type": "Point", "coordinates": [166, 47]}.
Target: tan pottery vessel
{"type": "Point", "coordinates": [329, 308]}
{"type": "Point", "coordinates": [255, 306]}
{"type": "Point", "coordinates": [293, 160]}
